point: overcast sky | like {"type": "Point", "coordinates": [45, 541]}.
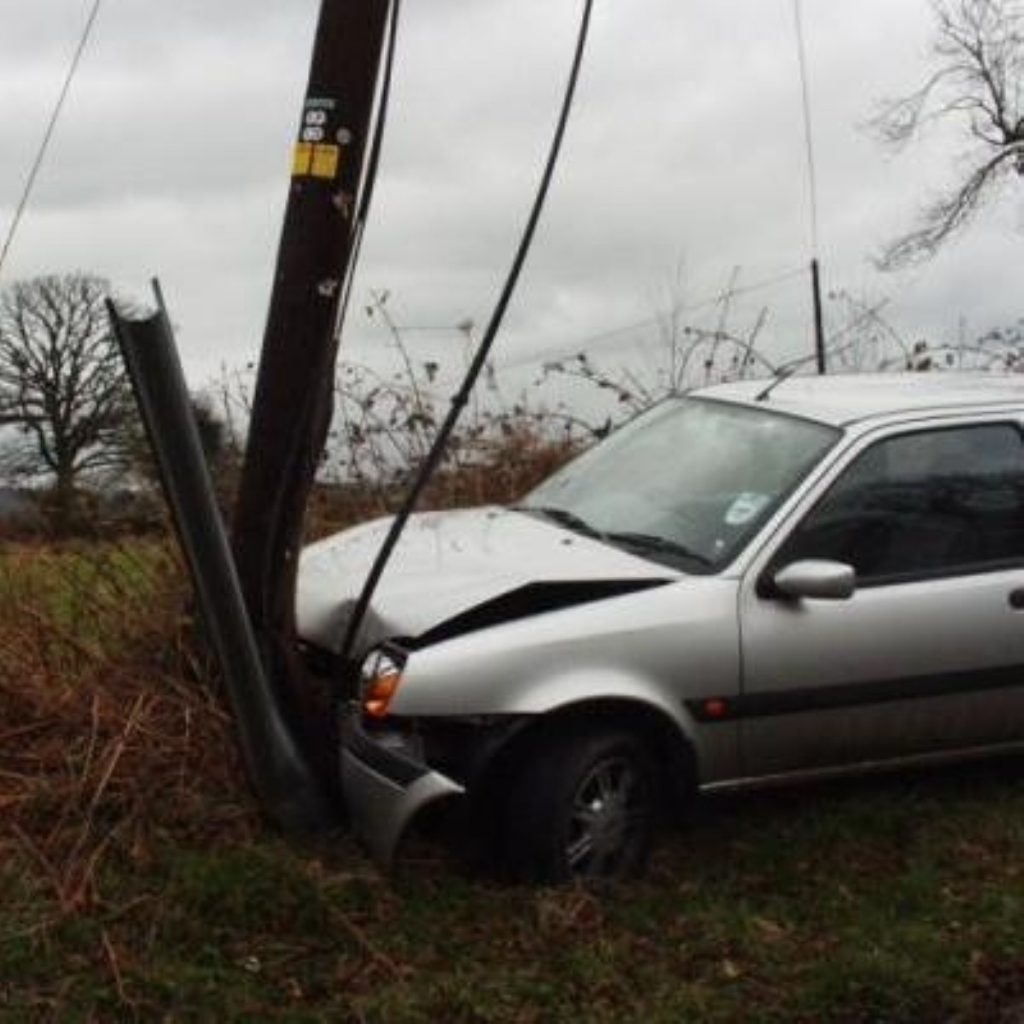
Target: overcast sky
{"type": "Point", "coordinates": [684, 159]}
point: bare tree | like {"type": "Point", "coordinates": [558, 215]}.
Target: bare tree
{"type": "Point", "coordinates": [61, 382]}
{"type": "Point", "coordinates": [978, 53]}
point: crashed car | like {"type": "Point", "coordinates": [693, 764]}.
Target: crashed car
{"type": "Point", "coordinates": [755, 582]}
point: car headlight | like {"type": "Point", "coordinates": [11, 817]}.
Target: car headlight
{"type": "Point", "coordinates": [380, 675]}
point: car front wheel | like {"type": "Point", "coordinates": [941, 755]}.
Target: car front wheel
{"type": "Point", "coordinates": [582, 807]}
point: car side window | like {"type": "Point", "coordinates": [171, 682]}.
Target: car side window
{"type": "Point", "coordinates": [937, 502]}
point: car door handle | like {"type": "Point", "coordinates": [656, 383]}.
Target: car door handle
{"type": "Point", "coordinates": [1016, 599]}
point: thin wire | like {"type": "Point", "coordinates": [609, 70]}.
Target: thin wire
{"type": "Point", "coordinates": [613, 332]}
{"type": "Point", "coordinates": [48, 134]}
{"type": "Point", "coordinates": [812, 173]}
{"type": "Point", "coordinates": [608, 335]}
{"type": "Point", "coordinates": [372, 165]}
{"type": "Point", "coordinates": [437, 449]}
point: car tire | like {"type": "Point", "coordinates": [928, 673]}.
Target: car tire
{"type": "Point", "coordinates": [583, 807]}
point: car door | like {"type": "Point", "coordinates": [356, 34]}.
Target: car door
{"type": "Point", "coordinates": [928, 652]}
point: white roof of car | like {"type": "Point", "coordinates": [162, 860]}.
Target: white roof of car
{"type": "Point", "coordinates": [843, 399]}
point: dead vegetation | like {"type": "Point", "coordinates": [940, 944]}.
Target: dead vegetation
{"type": "Point", "coordinates": [137, 880]}
{"type": "Point", "coordinates": [114, 742]}
{"type": "Point", "coordinates": [137, 883]}
{"type": "Point", "coordinates": [111, 724]}
{"type": "Point", "coordinates": [109, 727]}
{"type": "Point", "coordinates": [500, 470]}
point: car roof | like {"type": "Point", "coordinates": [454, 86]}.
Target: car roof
{"type": "Point", "coordinates": [843, 399]}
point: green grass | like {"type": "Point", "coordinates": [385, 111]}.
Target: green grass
{"type": "Point", "coordinates": [896, 900]}
{"type": "Point", "coordinates": [890, 900]}
{"type": "Point", "coordinates": [85, 588]}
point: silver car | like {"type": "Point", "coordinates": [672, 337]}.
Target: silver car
{"type": "Point", "coordinates": [760, 580]}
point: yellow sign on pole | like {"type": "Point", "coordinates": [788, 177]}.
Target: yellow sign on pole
{"type": "Point", "coordinates": [302, 160]}
{"type": "Point", "coordinates": [316, 161]}
{"type": "Point", "coordinates": [325, 161]}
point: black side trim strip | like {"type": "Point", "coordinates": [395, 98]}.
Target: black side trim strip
{"type": "Point", "coordinates": [844, 695]}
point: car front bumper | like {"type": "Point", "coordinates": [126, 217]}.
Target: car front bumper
{"type": "Point", "coordinates": [384, 789]}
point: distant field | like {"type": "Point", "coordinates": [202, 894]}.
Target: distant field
{"type": "Point", "coordinates": [136, 883]}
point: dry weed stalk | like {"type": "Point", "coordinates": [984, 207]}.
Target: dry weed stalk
{"type": "Point", "coordinates": [108, 732]}
{"type": "Point", "coordinates": [110, 729]}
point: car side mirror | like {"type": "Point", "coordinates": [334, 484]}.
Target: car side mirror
{"type": "Point", "coordinates": [818, 578]}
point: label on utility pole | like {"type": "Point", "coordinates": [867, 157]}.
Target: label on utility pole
{"type": "Point", "coordinates": [318, 149]}
{"type": "Point", "coordinates": [316, 161]}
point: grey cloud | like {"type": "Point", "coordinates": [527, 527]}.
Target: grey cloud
{"type": "Point", "coordinates": [686, 144]}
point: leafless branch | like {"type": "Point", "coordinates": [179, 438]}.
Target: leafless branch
{"type": "Point", "coordinates": [947, 214]}
{"type": "Point", "coordinates": [978, 53]}
{"type": "Point", "coordinates": [61, 380]}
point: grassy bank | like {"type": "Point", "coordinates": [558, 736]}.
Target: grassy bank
{"type": "Point", "coordinates": [137, 883]}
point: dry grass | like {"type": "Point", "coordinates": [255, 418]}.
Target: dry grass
{"type": "Point", "coordinates": [107, 730]}
{"type": "Point", "coordinates": [110, 727]}
{"type": "Point", "coordinates": [137, 883]}
{"type": "Point", "coordinates": [114, 743]}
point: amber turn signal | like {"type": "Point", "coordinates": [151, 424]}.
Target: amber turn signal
{"type": "Point", "coordinates": [379, 693]}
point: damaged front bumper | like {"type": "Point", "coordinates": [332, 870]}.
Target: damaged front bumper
{"type": "Point", "coordinates": [384, 788]}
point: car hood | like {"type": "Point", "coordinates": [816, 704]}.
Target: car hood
{"type": "Point", "coordinates": [449, 563]}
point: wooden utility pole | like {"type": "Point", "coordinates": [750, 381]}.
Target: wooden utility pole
{"type": "Point", "coordinates": [293, 402]}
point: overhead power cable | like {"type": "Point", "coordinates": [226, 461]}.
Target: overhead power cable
{"type": "Point", "coordinates": [437, 449]}
{"type": "Point", "coordinates": [610, 333]}
{"type": "Point", "coordinates": [48, 134]}
{"type": "Point", "coordinates": [372, 162]}
{"type": "Point", "coordinates": [820, 345]}
{"type": "Point", "coordinates": [805, 91]}
{"type": "Point", "coordinates": [602, 337]}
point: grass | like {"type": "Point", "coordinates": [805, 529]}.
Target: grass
{"type": "Point", "coordinates": [897, 900]}
{"type": "Point", "coordinates": [137, 883]}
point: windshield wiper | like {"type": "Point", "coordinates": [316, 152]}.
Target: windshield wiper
{"type": "Point", "coordinates": [562, 516]}
{"type": "Point", "coordinates": [652, 542]}
{"type": "Point", "coordinates": [626, 538]}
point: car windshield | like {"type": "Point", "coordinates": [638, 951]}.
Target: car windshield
{"type": "Point", "coordinates": [686, 484]}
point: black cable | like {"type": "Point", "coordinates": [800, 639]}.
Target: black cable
{"type": "Point", "coordinates": [434, 456]}
{"type": "Point", "coordinates": [372, 163]}
{"type": "Point", "coordinates": [48, 134]}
